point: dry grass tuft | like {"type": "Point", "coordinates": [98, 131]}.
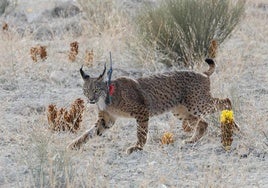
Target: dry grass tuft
{"type": "Point", "coordinates": [167, 138]}
{"type": "Point", "coordinates": [213, 48]}
{"type": "Point", "coordinates": [64, 120]}
{"type": "Point", "coordinates": [38, 51]}
{"type": "Point", "coordinates": [89, 58]}
{"type": "Point", "coordinates": [73, 51]}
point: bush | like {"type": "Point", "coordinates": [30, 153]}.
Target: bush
{"type": "Point", "coordinates": [184, 29]}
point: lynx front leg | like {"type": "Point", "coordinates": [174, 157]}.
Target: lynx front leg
{"type": "Point", "coordinates": [104, 122]}
{"type": "Point", "coordinates": [77, 143]}
{"type": "Point", "coordinates": [142, 131]}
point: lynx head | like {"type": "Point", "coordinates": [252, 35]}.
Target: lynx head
{"type": "Point", "coordinates": [94, 88]}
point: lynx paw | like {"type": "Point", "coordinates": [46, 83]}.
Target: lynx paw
{"type": "Point", "coordinates": [132, 149]}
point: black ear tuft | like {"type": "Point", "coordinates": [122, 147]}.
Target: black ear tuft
{"type": "Point", "coordinates": [101, 76]}
{"type": "Point", "coordinates": [83, 74]}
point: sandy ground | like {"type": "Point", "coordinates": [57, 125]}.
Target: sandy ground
{"type": "Point", "coordinates": [33, 156]}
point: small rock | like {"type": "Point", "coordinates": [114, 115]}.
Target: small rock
{"type": "Point", "coordinates": [43, 34]}
{"type": "Point", "coordinates": [57, 76]}
{"type": "Point", "coordinates": [65, 10]}
{"type": "Point", "coordinates": [3, 5]}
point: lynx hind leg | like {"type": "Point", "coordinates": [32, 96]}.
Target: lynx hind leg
{"type": "Point", "coordinates": [200, 128]}
{"type": "Point", "coordinates": [191, 122]}
{"type": "Point", "coordinates": [182, 113]}
{"type": "Point", "coordinates": [187, 126]}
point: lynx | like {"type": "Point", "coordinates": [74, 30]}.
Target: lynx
{"type": "Point", "coordinates": [185, 93]}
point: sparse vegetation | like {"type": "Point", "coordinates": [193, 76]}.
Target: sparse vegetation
{"type": "Point", "coordinates": [102, 15]}
{"type": "Point", "coordinates": [33, 156]}
{"type": "Point", "coordinates": [48, 166]}
{"type": "Point", "coordinates": [184, 29]}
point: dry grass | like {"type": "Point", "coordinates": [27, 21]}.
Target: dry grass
{"type": "Point", "coordinates": [89, 58]}
{"type": "Point", "coordinates": [32, 156]}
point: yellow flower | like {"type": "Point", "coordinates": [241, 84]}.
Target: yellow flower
{"type": "Point", "coordinates": [227, 116]}
{"type": "Point", "coordinates": [167, 138]}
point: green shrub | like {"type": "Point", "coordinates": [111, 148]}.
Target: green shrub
{"type": "Point", "coordinates": [184, 29]}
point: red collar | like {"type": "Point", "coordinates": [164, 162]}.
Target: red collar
{"type": "Point", "coordinates": [111, 89]}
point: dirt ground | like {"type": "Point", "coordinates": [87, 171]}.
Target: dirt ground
{"type": "Point", "coordinates": [33, 156]}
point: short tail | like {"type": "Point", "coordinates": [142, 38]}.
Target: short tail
{"type": "Point", "coordinates": [211, 69]}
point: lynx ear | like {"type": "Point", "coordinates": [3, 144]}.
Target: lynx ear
{"type": "Point", "coordinates": [101, 76]}
{"type": "Point", "coordinates": [83, 74]}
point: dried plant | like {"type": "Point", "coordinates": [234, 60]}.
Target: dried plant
{"type": "Point", "coordinates": [52, 111]}
{"type": "Point", "coordinates": [73, 51]}
{"type": "Point", "coordinates": [74, 116]}
{"type": "Point", "coordinates": [212, 50]}
{"type": "Point", "coordinates": [89, 57]}
{"type": "Point", "coordinates": [43, 52]}
{"type": "Point", "coordinates": [64, 120]}
{"type": "Point", "coordinates": [167, 138]}
{"type": "Point", "coordinates": [38, 51]}
{"type": "Point", "coordinates": [227, 128]}
{"type": "Point", "coordinates": [5, 26]}
{"type": "Point", "coordinates": [33, 53]}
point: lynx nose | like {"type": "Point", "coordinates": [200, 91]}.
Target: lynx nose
{"type": "Point", "coordinates": [92, 101]}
